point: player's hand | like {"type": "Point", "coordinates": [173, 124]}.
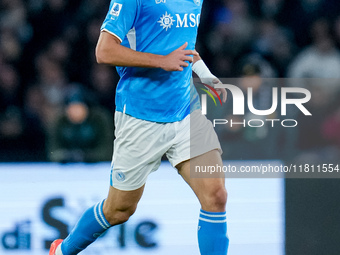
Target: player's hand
{"type": "Point", "coordinates": [221, 91]}
{"type": "Point", "coordinates": [176, 60]}
{"type": "Point", "coordinates": [213, 82]}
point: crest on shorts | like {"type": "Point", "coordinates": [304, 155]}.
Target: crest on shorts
{"type": "Point", "coordinates": [115, 10]}
{"type": "Point", "coordinates": [120, 176]}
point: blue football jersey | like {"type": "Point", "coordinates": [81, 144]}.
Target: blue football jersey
{"type": "Point", "coordinates": [159, 27]}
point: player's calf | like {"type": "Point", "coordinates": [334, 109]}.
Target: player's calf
{"type": "Point", "coordinates": [120, 204]}
{"type": "Point", "coordinates": [117, 216]}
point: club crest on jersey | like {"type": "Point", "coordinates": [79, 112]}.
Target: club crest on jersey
{"type": "Point", "coordinates": [160, 1]}
{"type": "Point", "coordinates": [115, 10]}
{"type": "Point", "coordinates": [197, 2]}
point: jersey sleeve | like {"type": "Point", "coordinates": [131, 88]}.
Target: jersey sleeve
{"type": "Point", "coordinates": [120, 17]}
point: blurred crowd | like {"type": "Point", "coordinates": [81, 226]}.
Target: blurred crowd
{"type": "Point", "coordinates": [47, 64]}
{"type": "Point", "coordinates": [47, 53]}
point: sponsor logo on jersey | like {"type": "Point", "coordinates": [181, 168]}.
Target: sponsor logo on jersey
{"type": "Point", "coordinates": [166, 21]}
{"type": "Point", "coordinates": [115, 10]}
{"type": "Point", "coordinates": [182, 20]}
{"type": "Point", "coordinates": [160, 1]}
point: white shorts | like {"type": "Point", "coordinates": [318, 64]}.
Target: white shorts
{"type": "Point", "coordinates": [140, 145]}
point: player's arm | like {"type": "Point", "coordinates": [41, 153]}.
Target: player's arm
{"type": "Point", "coordinates": [206, 77]}
{"type": "Point", "coordinates": [110, 51]}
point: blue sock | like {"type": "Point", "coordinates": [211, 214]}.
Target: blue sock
{"type": "Point", "coordinates": [212, 233]}
{"type": "Point", "coordinates": [90, 226]}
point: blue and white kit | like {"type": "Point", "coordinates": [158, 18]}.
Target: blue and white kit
{"type": "Point", "coordinates": [154, 107]}
{"type": "Point", "coordinates": [154, 116]}
{"type": "Point", "coordinates": [159, 27]}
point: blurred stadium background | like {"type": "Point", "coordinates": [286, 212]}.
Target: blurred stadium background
{"type": "Point", "coordinates": [47, 62]}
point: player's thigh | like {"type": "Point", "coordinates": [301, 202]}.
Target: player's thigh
{"type": "Point", "coordinates": [138, 149]}
{"type": "Point", "coordinates": [121, 204]}
{"type": "Point", "coordinates": [210, 189]}
{"type": "Point", "coordinates": [195, 137]}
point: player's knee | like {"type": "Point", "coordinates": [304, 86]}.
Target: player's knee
{"type": "Point", "coordinates": [220, 197]}
{"type": "Point", "coordinates": [119, 215]}
{"type": "Point", "coordinates": [217, 199]}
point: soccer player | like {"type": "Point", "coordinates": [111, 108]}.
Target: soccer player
{"type": "Point", "coordinates": [152, 43]}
